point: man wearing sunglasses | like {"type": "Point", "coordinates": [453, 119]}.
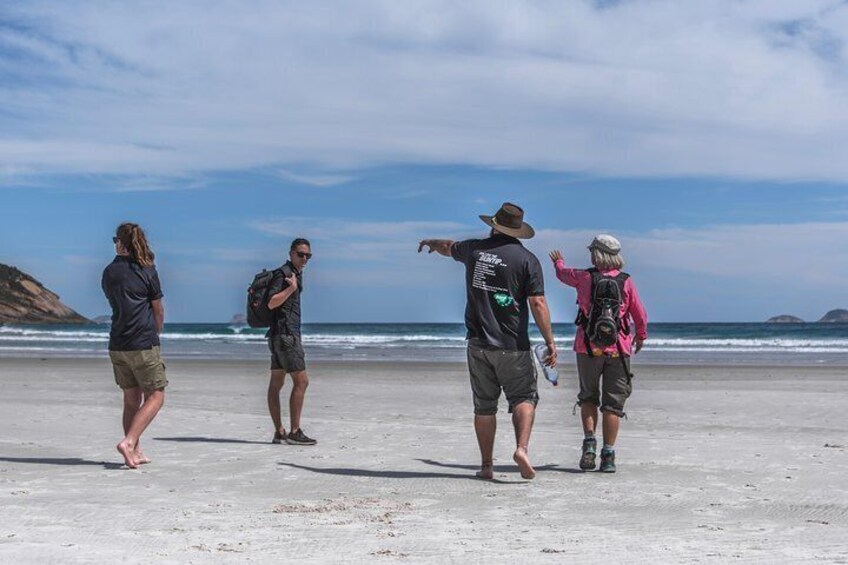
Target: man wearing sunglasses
{"type": "Point", "coordinates": [286, 346]}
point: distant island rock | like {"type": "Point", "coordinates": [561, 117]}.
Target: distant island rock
{"type": "Point", "coordinates": [24, 300]}
{"type": "Point", "coordinates": [838, 316]}
{"type": "Point", "coordinates": [238, 320]}
{"type": "Point", "coordinates": [785, 319]}
{"type": "Point", "coordinates": [104, 319]}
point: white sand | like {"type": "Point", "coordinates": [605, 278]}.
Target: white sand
{"type": "Point", "coordinates": [715, 465]}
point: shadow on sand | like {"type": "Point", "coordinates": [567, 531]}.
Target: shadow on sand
{"type": "Point", "coordinates": [72, 461]}
{"type": "Point", "coordinates": [497, 468]}
{"type": "Point", "coordinates": [347, 472]}
{"type": "Point", "coordinates": [198, 439]}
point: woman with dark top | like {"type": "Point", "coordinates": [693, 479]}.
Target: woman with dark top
{"type": "Point", "coordinates": [131, 284]}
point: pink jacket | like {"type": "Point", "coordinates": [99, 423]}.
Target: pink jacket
{"type": "Point", "coordinates": [631, 307]}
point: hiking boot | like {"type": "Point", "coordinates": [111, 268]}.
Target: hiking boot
{"type": "Point", "coordinates": [607, 461]}
{"type": "Point", "coordinates": [279, 437]}
{"type": "Point", "coordinates": [299, 438]}
{"type": "Point", "coordinates": [587, 460]}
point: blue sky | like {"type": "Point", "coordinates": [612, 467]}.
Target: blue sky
{"type": "Point", "coordinates": [710, 139]}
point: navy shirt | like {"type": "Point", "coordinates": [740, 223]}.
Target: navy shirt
{"type": "Point", "coordinates": [286, 320]}
{"type": "Point", "coordinates": [500, 274]}
{"type": "Point", "coordinates": [130, 288]}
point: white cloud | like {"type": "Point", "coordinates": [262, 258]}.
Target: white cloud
{"type": "Point", "coordinates": [351, 233]}
{"type": "Point", "coordinates": [316, 180]}
{"type": "Point", "coordinates": [751, 89]}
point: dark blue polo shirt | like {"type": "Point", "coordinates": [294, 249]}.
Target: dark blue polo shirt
{"type": "Point", "coordinates": [500, 274]}
{"type": "Point", "coordinates": [130, 288]}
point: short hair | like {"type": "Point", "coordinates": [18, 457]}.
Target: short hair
{"type": "Point", "coordinates": [606, 261]}
{"type": "Point", "coordinates": [299, 241]}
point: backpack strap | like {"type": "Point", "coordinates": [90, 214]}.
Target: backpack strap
{"type": "Point", "coordinates": [587, 317]}
{"type": "Point", "coordinates": [623, 322]}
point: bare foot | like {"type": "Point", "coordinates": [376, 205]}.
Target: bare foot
{"type": "Point", "coordinates": [523, 461]}
{"type": "Point", "coordinates": [485, 472]}
{"type": "Point", "coordinates": [140, 457]}
{"type": "Point", "coordinates": [125, 449]}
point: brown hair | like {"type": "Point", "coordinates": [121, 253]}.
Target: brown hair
{"type": "Point", "coordinates": [299, 241]}
{"type": "Point", "coordinates": [133, 239]}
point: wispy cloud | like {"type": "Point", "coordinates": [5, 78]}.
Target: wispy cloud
{"type": "Point", "coordinates": [804, 255]}
{"type": "Point", "coordinates": [750, 89]}
{"type": "Point", "coordinates": [315, 179]}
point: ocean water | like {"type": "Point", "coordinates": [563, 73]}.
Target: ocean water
{"type": "Point", "coordinates": [794, 344]}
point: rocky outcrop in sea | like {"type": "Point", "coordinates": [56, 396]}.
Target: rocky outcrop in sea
{"type": "Point", "coordinates": [838, 316]}
{"type": "Point", "coordinates": [24, 300]}
{"type": "Point", "coordinates": [785, 319]}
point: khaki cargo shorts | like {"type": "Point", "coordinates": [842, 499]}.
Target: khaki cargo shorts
{"type": "Point", "coordinates": [604, 381]}
{"type": "Point", "coordinates": [143, 368]}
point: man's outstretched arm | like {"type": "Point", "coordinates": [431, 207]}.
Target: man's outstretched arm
{"type": "Point", "coordinates": [441, 246]}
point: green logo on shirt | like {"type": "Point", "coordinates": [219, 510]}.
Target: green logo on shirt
{"type": "Point", "coordinates": [503, 299]}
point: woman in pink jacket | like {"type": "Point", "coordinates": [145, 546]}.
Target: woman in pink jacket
{"type": "Point", "coordinates": [604, 342]}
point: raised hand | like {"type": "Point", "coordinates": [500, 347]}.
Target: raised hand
{"type": "Point", "coordinates": [555, 255]}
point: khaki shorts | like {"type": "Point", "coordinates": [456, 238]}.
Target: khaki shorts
{"type": "Point", "coordinates": [604, 382]}
{"type": "Point", "coordinates": [143, 369]}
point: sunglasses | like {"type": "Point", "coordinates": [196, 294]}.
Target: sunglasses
{"type": "Point", "coordinates": [303, 255]}
{"type": "Point", "coordinates": [115, 240]}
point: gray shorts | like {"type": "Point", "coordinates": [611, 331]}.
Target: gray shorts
{"type": "Point", "coordinates": [287, 353]}
{"type": "Point", "coordinates": [493, 370]}
{"type": "Point", "coordinates": [605, 373]}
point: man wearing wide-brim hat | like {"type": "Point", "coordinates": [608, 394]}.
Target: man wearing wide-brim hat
{"type": "Point", "coordinates": [502, 278]}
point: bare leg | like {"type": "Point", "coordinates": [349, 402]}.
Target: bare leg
{"type": "Point", "coordinates": [278, 378]}
{"type": "Point", "coordinates": [611, 422]}
{"type": "Point", "coordinates": [132, 402]}
{"type": "Point", "coordinates": [298, 393]}
{"type": "Point", "coordinates": [522, 420]}
{"type": "Point", "coordinates": [140, 457]}
{"type": "Point", "coordinates": [589, 415]}
{"type": "Point", "coordinates": [152, 403]}
{"type": "Point", "coordinates": [485, 426]}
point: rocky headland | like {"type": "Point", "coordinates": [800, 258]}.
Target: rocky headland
{"type": "Point", "coordinates": [838, 316]}
{"type": "Point", "coordinates": [24, 300]}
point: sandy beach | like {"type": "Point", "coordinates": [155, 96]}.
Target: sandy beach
{"type": "Point", "coordinates": [716, 464]}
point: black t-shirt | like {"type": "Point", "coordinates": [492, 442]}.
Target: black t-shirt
{"type": "Point", "coordinates": [500, 274]}
{"type": "Point", "coordinates": [130, 288]}
{"type": "Point", "coordinates": [286, 319]}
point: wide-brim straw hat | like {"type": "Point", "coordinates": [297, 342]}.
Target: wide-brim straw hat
{"type": "Point", "coordinates": [509, 220]}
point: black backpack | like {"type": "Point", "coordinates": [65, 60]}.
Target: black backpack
{"type": "Point", "coordinates": [258, 313]}
{"type": "Point", "coordinates": [603, 323]}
